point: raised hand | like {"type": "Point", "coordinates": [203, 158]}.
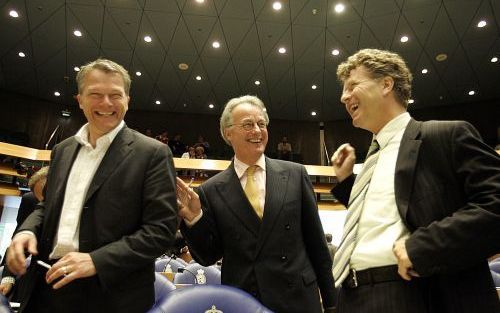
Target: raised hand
{"type": "Point", "coordinates": [343, 161]}
{"type": "Point", "coordinates": [188, 201]}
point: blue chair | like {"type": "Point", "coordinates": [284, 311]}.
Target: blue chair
{"type": "Point", "coordinates": [174, 263]}
{"type": "Point", "coordinates": [209, 298]}
{"type": "Point", "coordinates": [5, 305]}
{"type": "Point", "coordinates": [163, 287]}
{"type": "Point", "coordinates": [495, 271]}
{"type": "Point", "coordinates": [188, 276]}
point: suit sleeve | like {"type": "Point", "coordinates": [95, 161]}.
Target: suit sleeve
{"type": "Point", "coordinates": [472, 232]}
{"type": "Point", "coordinates": [203, 238]}
{"type": "Point", "coordinates": [314, 239]}
{"type": "Point", "coordinates": [120, 258]}
{"type": "Point", "coordinates": [342, 191]}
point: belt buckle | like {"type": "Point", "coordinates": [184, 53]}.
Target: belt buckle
{"type": "Point", "coordinates": [354, 278]}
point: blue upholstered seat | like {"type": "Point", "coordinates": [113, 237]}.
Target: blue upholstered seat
{"type": "Point", "coordinates": [163, 286]}
{"type": "Point", "coordinates": [174, 263]}
{"type": "Point", "coordinates": [212, 274]}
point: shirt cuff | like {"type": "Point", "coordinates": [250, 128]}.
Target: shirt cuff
{"type": "Point", "coordinates": [8, 279]}
{"type": "Point", "coordinates": [194, 220]}
{"type": "Point", "coordinates": [26, 232]}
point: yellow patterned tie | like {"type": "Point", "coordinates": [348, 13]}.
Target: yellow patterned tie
{"type": "Point", "coordinates": [252, 191]}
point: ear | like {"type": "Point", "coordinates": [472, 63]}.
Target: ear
{"type": "Point", "coordinates": [388, 85]}
{"type": "Point", "coordinates": [78, 98]}
{"type": "Point", "coordinates": [227, 134]}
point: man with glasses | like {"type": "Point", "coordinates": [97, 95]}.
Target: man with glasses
{"type": "Point", "coordinates": [260, 216]}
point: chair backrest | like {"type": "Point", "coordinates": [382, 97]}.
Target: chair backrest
{"type": "Point", "coordinates": [211, 299]}
{"type": "Point", "coordinates": [163, 286]}
{"type": "Point", "coordinates": [212, 275]}
{"type": "Point", "coordinates": [4, 305]}
{"type": "Point", "coordinates": [174, 263]}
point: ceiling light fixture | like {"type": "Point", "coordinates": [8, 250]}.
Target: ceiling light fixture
{"type": "Point", "coordinates": [183, 66]}
{"type": "Point", "coordinates": [13, 13]}
{"type": "Point", "coordinates": [339, 8]}
{"type": "Point", "coordinates": [282, 50]}
{"type": "Point", "coordinates": [198, 77]}
{"type": "Point", "coordinates": [138, 73]}
{"type": "Point", "coordinates": [425, 71]}
{"type": "Point", "coordinates": [76, 68]}
{"type": "Point", "coordinates": [77, 33]}
{"type": "Point", "coordinates": [404, 38]}
{"type": "Point", "coordinates": [158, 102]}
{"type": "Point", "coordinates": [148, 39]}
{"type": "Point", "coordinates": [472, 92]}
{"type": "Point", "coordinates": [314, 87]}
{"type": "Point", "coordinates": [57, 93]}
{"type": "Point", "coordinates": [481, 24]}
{"type": "Point", "coordinates": [200, 1]}
{"type": "Point", "coordinates": [277, 5]}
{"type": "Point", "coordinates": [494, 60]}
{"type": "Point", "coordinates": [211, 106]}
{"type": "Point", "coordinates": [313, 113]}
{"type": "Point", "coordinates": [257, 82]}
{"type": "Point", "coordinates": [21, 54]}
{"type": "Point", "coordinates": [335, 52]}
{"type": "Point", "coordinates": [441, 57]}
{"type": "Point", "coordinates": [216, 44]}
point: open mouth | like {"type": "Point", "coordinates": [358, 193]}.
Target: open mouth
{"type": "Point", "coordinates": [105, 113]}
{"type": "Point", "coordinates": [255, 140]}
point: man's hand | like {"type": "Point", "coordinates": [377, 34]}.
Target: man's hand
{"type": "Point", "coordinates": [5, 288]}
{"type": "Point", "coordinates": [16, 260]}
{"type": "Point", "coordinates": [343, 161]}
{"type": "Point", "coordinates": [405, 267]}
{"type": "Point", "coordinates": [188, 201]}
{"type": "Point", "coordinates": [73, 265]}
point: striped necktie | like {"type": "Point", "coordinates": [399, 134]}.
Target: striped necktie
{"type": "Point", "coordinates": [252, 191]}
{"type": "Point", "coordinates": [356, 200]}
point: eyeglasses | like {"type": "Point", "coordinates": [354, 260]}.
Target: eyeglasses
{"type": "Point", "coordinates": [248, 125]}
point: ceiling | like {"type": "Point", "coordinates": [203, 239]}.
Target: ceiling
{"type": "Point", "coordinates": [250, 33]}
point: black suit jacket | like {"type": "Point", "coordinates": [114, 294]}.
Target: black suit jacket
{"type": "Point", "coordinates": [282, 259]}
{"type": "Point", "coordinates": [128, 219]}
{"type": "Point", "coordinates": [447, 186]}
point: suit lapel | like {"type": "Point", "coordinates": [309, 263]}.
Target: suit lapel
{"type": "Point", "coordinates": [276, 187]}
{"type": "Point", "coordinates": [117, 152]}
{"type": "Point", "coordinates": [405, 166]}
{"type": "Point", "coordinates": [234, 197]}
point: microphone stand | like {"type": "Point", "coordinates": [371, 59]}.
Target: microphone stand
{"type": "Point", "coordinates": [51, 136]}
{"type": "Point", "coordinates": [183, 269]}
{"type": "Point", "coordinates": [172, 257]}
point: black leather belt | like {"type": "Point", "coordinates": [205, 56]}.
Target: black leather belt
{"type": "Point", "coordinates": [371, 276]}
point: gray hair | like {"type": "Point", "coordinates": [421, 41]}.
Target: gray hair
{"type": "Point", "coordinates": [226, 119]}
{"type": "Point", "coordinates": [106, 66]}
{"type": "Point", "coordinates": [38, 176]}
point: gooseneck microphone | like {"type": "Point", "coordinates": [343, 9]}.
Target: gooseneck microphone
{"type": "Point", "coordinates": [172, 257]}
{"type": "Point", "coordinates": [183, 269]}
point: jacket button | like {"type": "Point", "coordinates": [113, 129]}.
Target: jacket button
{"type": "Point", "coordinates": [287, 227]}
{"type": "Point", "coordinates": [283, 258]}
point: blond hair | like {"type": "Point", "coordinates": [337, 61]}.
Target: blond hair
{"type": "Point", "coordinates": [106, 66]}
{"type": "Point", "coordinates": [39, 175]}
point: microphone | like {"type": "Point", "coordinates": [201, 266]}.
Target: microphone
{"type": "Point", "coordinates": [51, 136]}
{"type": "Point", "coordinates": [172, 257]}
{"type": "Point", "coordinates": [183, 269]}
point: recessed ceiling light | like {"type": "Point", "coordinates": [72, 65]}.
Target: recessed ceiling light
{"type": "Point", "coordinates": [147, 39]}
{"type": "Point", "coordinates": [282, 50]}
{"type": "Point", "coordinates": [13, 13]}
{"type": "Point", "coordinates": [57, 93]}
{"type": "Point", "coordinates": [198, 77]}
{"type": "Point", "coordinates": [313, 113]}
{"type": "Point", "coordinates": [138, 73]}
{"type": "Point", "coordinates": [76, 68]}
{"type": "Point", "coordinates": [314, 11]}
{"type": "Point", "coordinates": [277, 5]}
{"type": "Point", "coordinates": [472, 92]}
{"type": "Point", "coordinates": [314, 87]}
{"type": "Point", "coordinates": [404, 38]}
{"type": "Point", "coordinates": [494, 60]}
{"type": "Point", "coordinates": [158, 102]}
{"type": "Point", "coordinates": [411, 101]}
{"type": "Point", "coordinates": [339, 8]}
{"type": "Point", "coordinates": [441, 57]}
{"type": "Point", "coordinates": [211, 106]}
{"type": "Point", "coordinates": [425, 71]}
{"type": "Point", "coordinates": [257, 82]}
{"type": "Point", "coordinates": [77, 33]}
{"type": "Point", "coordinates": [183, 66]}
{"type": "Point", "coordinates": [335, 52]}
{"type": "Point", "coordinates": [21, 54]}
{"type": "Point", "coordinates": [215, 44]}
{"type": "Point", "coordinates": [200, 1]}
{"type": "Point", "coordinates": [481, 24]}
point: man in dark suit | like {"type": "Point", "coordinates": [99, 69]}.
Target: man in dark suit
{"type": "Point", "coordinates": [109, 211]}
{"type": "Point", "coordinates": [423, 213]}
{"type": "Point", "coordinates": [260, 216]}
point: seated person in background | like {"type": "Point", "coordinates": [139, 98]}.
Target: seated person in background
{"type": "Point", "coordinates": [331, 247]}
{"type": "Point", "coordinates": [284, 149]}
{"type": "Point", "coordinates": [28, 204]}
{"type": "Point", "coordinates": [200, 154]}
{"type": "Point", "coordinates": [176, 145]}
{"type": "Point", "coordinates": [163, 137]}
{"type": "Point", "coordinates": [202, 143]}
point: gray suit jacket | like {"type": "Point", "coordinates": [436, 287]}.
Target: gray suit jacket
{"type": "Point", "coordinates": [447, 186]}
{"type": "Point", "coordinates": [128, 219]}
{"type": "Point", "coordinates": [282, 259]}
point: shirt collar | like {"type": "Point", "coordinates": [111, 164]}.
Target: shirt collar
{"type": "Point", "coordinates": [241, 167]}
{"type": "Point", "coordinates": [392, 128]}
{"type": "Point", "coordinates": [82, 136]}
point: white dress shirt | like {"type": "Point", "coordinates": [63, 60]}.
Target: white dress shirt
{"type": "Point", "coordinates": [380, 224]}
{"type": "Point", "coordinates": [80, 177]}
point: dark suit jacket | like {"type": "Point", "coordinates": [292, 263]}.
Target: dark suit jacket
{"type": "Point", "coordinates": [447, 187]}
{"type": "Point", "coordinates": [282, 259]}
{"type": "Point", "coordinates": [128, 219]}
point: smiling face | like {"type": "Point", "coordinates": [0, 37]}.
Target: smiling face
{"type": "Point", "coordinates": [364, 98]}
{"type": "Point", "coordinates": [248, 145]}
{"type": "Point", "coordinates": [103, 101]}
